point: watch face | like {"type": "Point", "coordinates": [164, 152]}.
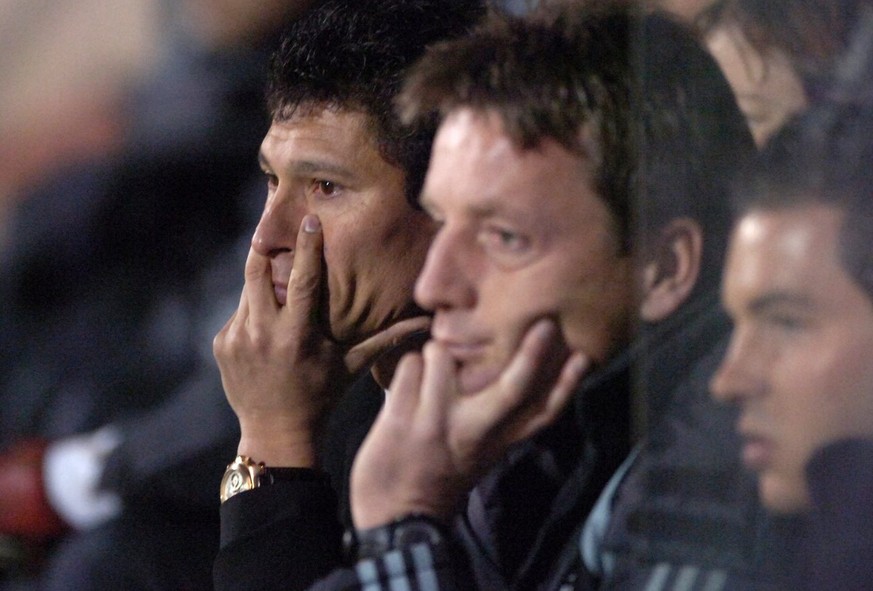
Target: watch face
{"type": "Point", "coordinates": [236, 479]}
{"type": "Point", "coordinates": [414, 532]}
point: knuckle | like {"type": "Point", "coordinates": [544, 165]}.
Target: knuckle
{"type": "Point", "coordinates": [303, 283]}
{"type": "Point", "coordinates": [218, 344]}
{"type": "Point", "coordinates": [261, 341]}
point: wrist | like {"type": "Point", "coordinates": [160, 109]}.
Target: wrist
{"type": "Point", "coordinates": [374, 506]}
{"type": "Point", "coordinates": [278, 447]}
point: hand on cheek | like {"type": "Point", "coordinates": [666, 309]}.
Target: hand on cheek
{"type": "Point", "coordinates": [281, 370]}
{"type": "Point", "coordinates": [431, 443]}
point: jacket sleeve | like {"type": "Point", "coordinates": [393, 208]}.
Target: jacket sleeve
{"type": "Point", "coordinates": [418, 566]}
{"type": "Point", "coordinates": [280, 537]}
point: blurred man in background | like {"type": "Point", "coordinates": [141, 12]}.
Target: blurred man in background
{"type": "Point", "coordinates": [780, 56]}
{"type": "Point", "coordinates": [117, 272]}
{"type": "Point", "coordinates": [799, 288]}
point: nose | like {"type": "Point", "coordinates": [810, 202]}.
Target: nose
{"type": "Point", "coordinates": [444, 281]}
{"type": "Point", "coordinates": [739, 376]}
{"type": "Point", "coordinates": [277, 229]}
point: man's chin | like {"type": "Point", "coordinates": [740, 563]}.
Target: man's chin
{"type": "Point", "coordinates": [783, 496]}
{"type": "Point", "coordinates": [476, 379]}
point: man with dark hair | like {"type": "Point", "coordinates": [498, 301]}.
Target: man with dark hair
{"type": "Point", "coordinates": [329, 280]}
{"type": "Point", "coordinates": [579, 176]}
{"type": "Point", "coordinates": [798, 284]}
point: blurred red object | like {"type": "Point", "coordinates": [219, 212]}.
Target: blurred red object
{"type": "Point", "coordinates": [24, 508]}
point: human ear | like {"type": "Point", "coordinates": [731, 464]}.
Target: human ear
{"type": "Point", "coordinates": [670, 270]}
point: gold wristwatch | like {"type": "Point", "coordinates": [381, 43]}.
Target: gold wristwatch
{"type": "Point", "coordinates": [245, 474]}
{"type": "Point", "coordinates": [241, 475]}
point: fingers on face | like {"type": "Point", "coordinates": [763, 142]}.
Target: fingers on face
{"type": "Point", "coordinates": [439, 388]}
{"type": "Point", "coordinates": [305, 280]}
{"type": "Point", "coordinates": [422, 392]}
{"type": "Point", "coordinates": [538, 382]}
{"type": "Point", "coordinates": [257, 292]}
{"type": "Point", "coordinates": [398, 332]}
{"type": "Point", "coordinates": [532, 362]}
{"type": "Point", "coordinates": [257, 271]}
{"type": "Point", "coordinates": [363, 354]}
{"type": "Point", "coordinates": [403, 394]}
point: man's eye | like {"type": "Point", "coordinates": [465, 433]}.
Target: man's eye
{"type": "Point", "coordinates": [786, 322]}
{"type": "Point", "coordinates": [327, 188]}
{"type": "Point", "coordinates": [508, 239]}
{"type": "Point", "coordinates": [272, 180]}
{"type": "Point", "coordinates": [504, 240]}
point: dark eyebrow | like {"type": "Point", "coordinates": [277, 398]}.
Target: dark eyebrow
{"type": "Point", "coordinates": [478, 210]}
{"type": "Point", "coordinates": [487, 207]}
{"type": "Point", "coordinates": [315, 167]}
{"type": "Point", "coordinates": [311, 167]}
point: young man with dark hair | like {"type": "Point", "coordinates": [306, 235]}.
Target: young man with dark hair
{"type": "Point", "coordinates": [329, 280]}
{"type": "Point", "coordinates": [798, 284]}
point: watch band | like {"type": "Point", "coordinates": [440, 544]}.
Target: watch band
{"type": "Point", "coordinates": [245, 474]}
{"type": "Point", "coordinates": [403, 532]}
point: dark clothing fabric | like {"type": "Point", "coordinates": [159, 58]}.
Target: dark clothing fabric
{"type": "Point", "coordinates": [686, 515]}
{"type": "Point", "coordinates": [833, 546]}
{"type": "Point", "coordinates": [419, 567]}
{"type": "Point", "coordinates": [520, 516]}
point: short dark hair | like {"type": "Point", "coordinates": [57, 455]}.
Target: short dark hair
{"type": "Point", "coordinates": [666, 130]}
{"type": "Point", "coordinates": [822, 157]}
{"type": "Point", "coordinates": [352, 55]}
